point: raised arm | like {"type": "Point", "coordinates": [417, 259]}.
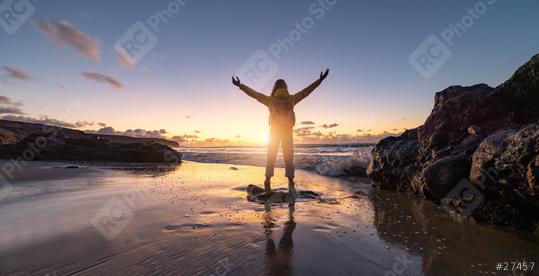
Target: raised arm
{"type": "Point", "coordinates": [309, 89]}
{"type": "Point", "coordinates": [263, 99]}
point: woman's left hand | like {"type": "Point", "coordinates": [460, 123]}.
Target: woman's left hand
{"type": "Point", "coordinates": [324, 75]}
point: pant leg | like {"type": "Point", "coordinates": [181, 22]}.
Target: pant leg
{"type": "Point", "coordinates": [287, 143]}
{"type": "Point", "coordinates": [273, 147]}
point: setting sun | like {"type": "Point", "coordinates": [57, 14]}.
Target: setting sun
{"type": "Point", "coordinates": [263, 138]}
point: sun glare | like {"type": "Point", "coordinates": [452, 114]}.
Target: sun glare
{"type": "Point", "coordinates": [263, 138]}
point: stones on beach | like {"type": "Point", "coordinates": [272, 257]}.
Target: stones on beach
{"type": "Point", "coordinates": [486, 135]}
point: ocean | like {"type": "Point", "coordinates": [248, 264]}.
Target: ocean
{"type": "Point", "coordinates": [329, 160]}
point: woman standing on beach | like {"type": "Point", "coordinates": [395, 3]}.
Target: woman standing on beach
{"type": "Point", "coordinates": [282, 120]}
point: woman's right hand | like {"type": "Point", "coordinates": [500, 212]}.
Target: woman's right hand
{"type": "Point", "coordinates": [236, 81]}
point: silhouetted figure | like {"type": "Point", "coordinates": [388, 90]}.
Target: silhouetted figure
{"type": "Point", "coordinates": [282, 120]}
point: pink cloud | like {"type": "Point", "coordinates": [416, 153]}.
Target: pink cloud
{"type": "Point", "coordinates": [65, 33]}
{"type": "Point", "coordinates": [103, 79]}
{"type": "Point", "coordinates": [16, 73]}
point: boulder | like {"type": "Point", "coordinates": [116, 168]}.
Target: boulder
{"type": "Point", "coordinates": [505, 167]}
{"type": "Point", "coordinates": [394, 161]}
{"type": "Point", "coordinates": [438, 178]}
{"type": "Point", "coordinates": [505, 164]}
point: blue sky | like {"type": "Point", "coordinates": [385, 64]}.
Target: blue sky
{"type": "Point", "coordinates": [365, 44]}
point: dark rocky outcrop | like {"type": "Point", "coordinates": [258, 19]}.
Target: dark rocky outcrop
{"type": "Point", "coordinates": [472, 130]}
{"type": "Point", "coordinates": [15, 131]}
{"type": "Point", "coordinates": [47, 146]}
{"type": "Point", "coordinates": [394, 161]}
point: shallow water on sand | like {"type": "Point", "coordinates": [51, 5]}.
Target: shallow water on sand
{"type": "Point", "coordinates": [195, 220]}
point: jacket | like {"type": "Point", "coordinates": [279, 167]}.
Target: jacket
{"type": "Point", "coordinates": [281, 105]}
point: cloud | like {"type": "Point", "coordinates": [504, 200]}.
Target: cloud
{"type": "Point", "coordinates": [8, 106]}
{"type": "Point", "coordinates": [65, 33]}
{"type": "Point", "coordinates": [335, 138]}
{"type": "Point", "coordinates": [103, 79]}
{"type": "Point", "coordinates": [307, 123]}
{"type": "Point", "coordinates": [16, 73]}
{"type": "Point", "coordinates": [80, 124]}
{"type": "Point", "coordinates": [123, 58]}
{"type": "Point", "coordinates": [178, 139]}
{"type": "Point", "coordinates": [106, 130]}
{"type": "Point", "coordinates": [102, 124]}
{"type": "Point", "coordinates": [197, 131]}
{"type": "Point", "coordinates": [10, 110]}
{"type": "Point", "coordinates": [216, 140]}
{"type": "Point", "coordinates": [141, 133]}
{"type": "Point", "coordinates": [190, 136]}
{"type": "Point", "coordinates": [303, 131]}
{"type": "Point", "coordinates": [359, 130]}
{"type": "Point", "coordinates": [329, 125]}
{"type": "Point", "coordinates": [41, 120]}
{"type": "Point", "coordinates": [4, 100]}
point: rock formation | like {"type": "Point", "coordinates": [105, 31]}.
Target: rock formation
{"type": "Point", "coordinates": [489, 136]}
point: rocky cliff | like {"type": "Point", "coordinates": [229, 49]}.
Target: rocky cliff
{"type": "Point", "coordinates": [30, 142]}
{"type": "Point", "coordinates": [487, 137]}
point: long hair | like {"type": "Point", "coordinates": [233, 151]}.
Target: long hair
{"type": "Point", "coordinates": [279, 84]}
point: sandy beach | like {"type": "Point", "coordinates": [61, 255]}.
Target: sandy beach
{"type": "Point", "coordinates": [194, 219]}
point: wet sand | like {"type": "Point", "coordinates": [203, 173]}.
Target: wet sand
{"type": "Point", "coordinates": [195, 220]}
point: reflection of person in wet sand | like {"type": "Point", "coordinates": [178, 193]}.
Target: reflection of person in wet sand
{"type": "Point", "coordinates": [278, 260]}
{"type": "Point", "coordinates": [282, 119]}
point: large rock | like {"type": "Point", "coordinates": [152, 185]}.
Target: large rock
{"type": "Point", "coordinates": [518, 97]}
{"type": "Point", "coordinates": [507, 163]}
{"type": "Point", "coordinates": [455, 110]}
{"type": "Point", "coordinates": [394, 161]}
{"type": "Point", "coordinates": [439, 177]}
{"type": "Point", "coordinates": [472, 130]}
{"type": "Point", "coordinates": [506, 168]}
{"type": "Point", "coordinates": [44, 146]}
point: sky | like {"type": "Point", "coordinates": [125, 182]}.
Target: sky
{"type": "Point", "coordinates": [70, 63]}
